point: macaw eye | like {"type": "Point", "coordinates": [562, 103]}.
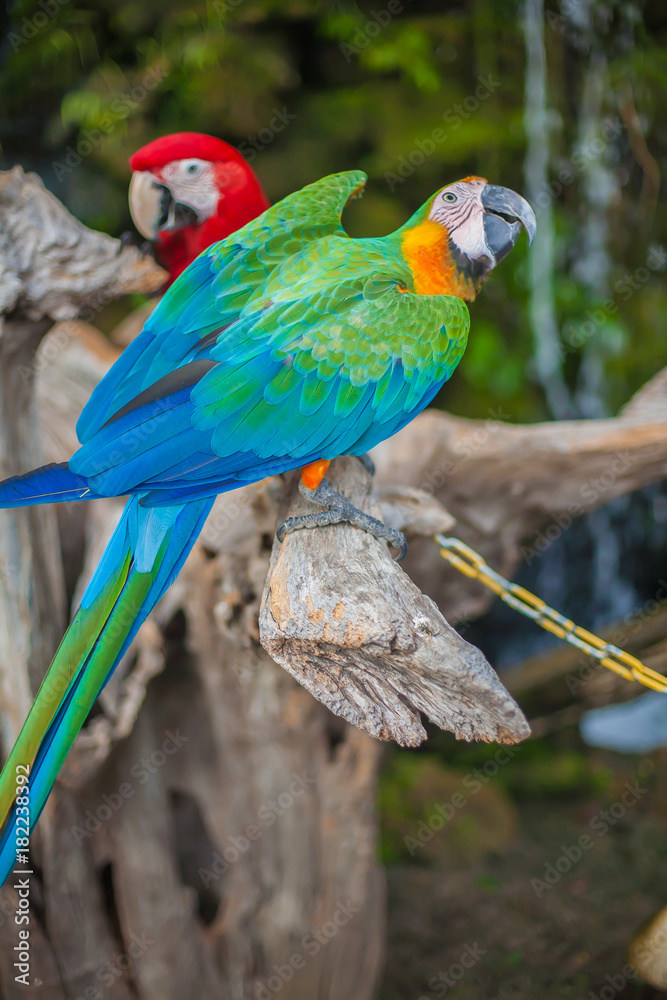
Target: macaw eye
{"type": "Point", "coordinates": [449, 196]}
{"type": "Point", "coordinates": [192, 169]}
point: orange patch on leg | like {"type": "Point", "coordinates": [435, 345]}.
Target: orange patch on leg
{"type": "Point", "coordinates": [313, 474]}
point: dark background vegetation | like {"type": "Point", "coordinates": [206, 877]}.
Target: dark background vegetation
{"type": "Point", "coordinates": [370, 99]}
{"type": "Point", "coordinates": [227, 65]}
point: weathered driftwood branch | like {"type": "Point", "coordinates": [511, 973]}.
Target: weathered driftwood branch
{"type": "Point", "coordinates": [514, 488]}
{"type": "Point", "coordinates": [263, 820]}
{"type": "Point", "coordinates": [53, 266]}
{"type": "Point", "coordinates": [342, 617]}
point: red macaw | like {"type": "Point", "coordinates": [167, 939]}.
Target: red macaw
{"type": "Point", "coordinates": [189, 190]}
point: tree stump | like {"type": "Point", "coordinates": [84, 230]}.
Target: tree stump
{"type": "Point", "coordinates": [213, 831]}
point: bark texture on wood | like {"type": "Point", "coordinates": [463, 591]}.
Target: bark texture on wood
{"type": "Point", "coordinates": [342, 617]}
{"type": "Point", "coordinates": [213, 821]}
{"type": "Point", "coordinates": [242, 820]}
{"type": "Point", "coordinates": [52, 265]}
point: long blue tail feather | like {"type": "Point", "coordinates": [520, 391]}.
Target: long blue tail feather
{"type": "Point", "coordinates": [156, 543]}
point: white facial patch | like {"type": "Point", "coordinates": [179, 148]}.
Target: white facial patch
{"type": "Point", "coordinates": [459, 208]}
{"type": "Point", "coordinates": [192, 182]}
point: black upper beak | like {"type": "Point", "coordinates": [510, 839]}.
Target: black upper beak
{"type": "Point", "coordinates": [505, 213]}
{"type": "Point", "coordinates": [174, 214]}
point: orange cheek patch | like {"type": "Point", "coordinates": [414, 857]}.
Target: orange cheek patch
{"type": "Point", "coordinates": [425, 250]}
{"type": "Point", "coordinates": [313, 474]}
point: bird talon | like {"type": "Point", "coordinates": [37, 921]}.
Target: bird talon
{"type": "Point", "coordinates": [402, 545]}
{"type": "Point", "coordinates": [338, 509]}
{"type": "Point", "coordinates": [368, 463]}
{"type": "Point", "coordinates": [127, 239]}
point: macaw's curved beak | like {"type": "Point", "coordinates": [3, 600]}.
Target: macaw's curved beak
{"type": "Point", "coordinates": [505, 212]}
{"type": "Point", "coordinates": [153, 207]}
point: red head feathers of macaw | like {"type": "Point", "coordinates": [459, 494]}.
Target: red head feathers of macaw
{"type": "Point", "coordinates": [189, 190]}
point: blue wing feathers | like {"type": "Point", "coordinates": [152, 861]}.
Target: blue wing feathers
{"type": "Point", "coordinates": [294, 370]}
{"type": "Point", "coordinates": [50, 484]}
{"type": "Point", "coordinates": [256, 361]}
{"type": "Point", "coordinates": [131, 475]}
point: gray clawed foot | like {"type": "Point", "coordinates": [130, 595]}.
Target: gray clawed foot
{"type": "Point", "coordinates": [130, 239]}
{"type": "Point", "coordinates": [127, 239]}
{"type": "Point", "coordinates": [368, 463]}
{"type": "Point", "coordinates": [338, 509]}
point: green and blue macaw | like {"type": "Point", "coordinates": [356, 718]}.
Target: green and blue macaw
{"type": "Point", "coordinates": [280, 347]}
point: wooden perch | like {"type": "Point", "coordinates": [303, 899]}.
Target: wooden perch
{"type": "Point", "coordinates": [344, 619]}
{"type": "Point", "coordinates": [52, 265]}
{"type": "Point", "coordinates": [514, 488]}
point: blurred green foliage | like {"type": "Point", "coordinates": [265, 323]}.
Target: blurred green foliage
{"type": "Point", "coordinates": [367, 87]}
{"type": "Point", "coordinates": [451, 802]}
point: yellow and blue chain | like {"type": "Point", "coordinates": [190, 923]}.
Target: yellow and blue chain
{"type": "Point", "coordinates": [472, 564]}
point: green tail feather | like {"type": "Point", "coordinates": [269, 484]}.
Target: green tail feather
{"type": "Point", "coordinates": [89, 626]}
{"type": "Point", "coordinates": [141, 561]}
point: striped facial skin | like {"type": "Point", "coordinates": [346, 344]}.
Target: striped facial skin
{"type": "Point", "coordinates": [483, 222]}
{"type": "Point", "coordinates": [182, 193]}
{"type": "Point", "coordinates": [193, 183]}
{"type": "Point", "coordinates": [459, 208]}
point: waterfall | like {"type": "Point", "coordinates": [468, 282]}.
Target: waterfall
{"type": "Point", "coordinates": [541, 260]}
{"type": "Point", "coordinates": [601, 572]}
{"type": "Point", "coordinates": [614, 596]}
{"type": "Point", "coordinates": [600, 189]}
